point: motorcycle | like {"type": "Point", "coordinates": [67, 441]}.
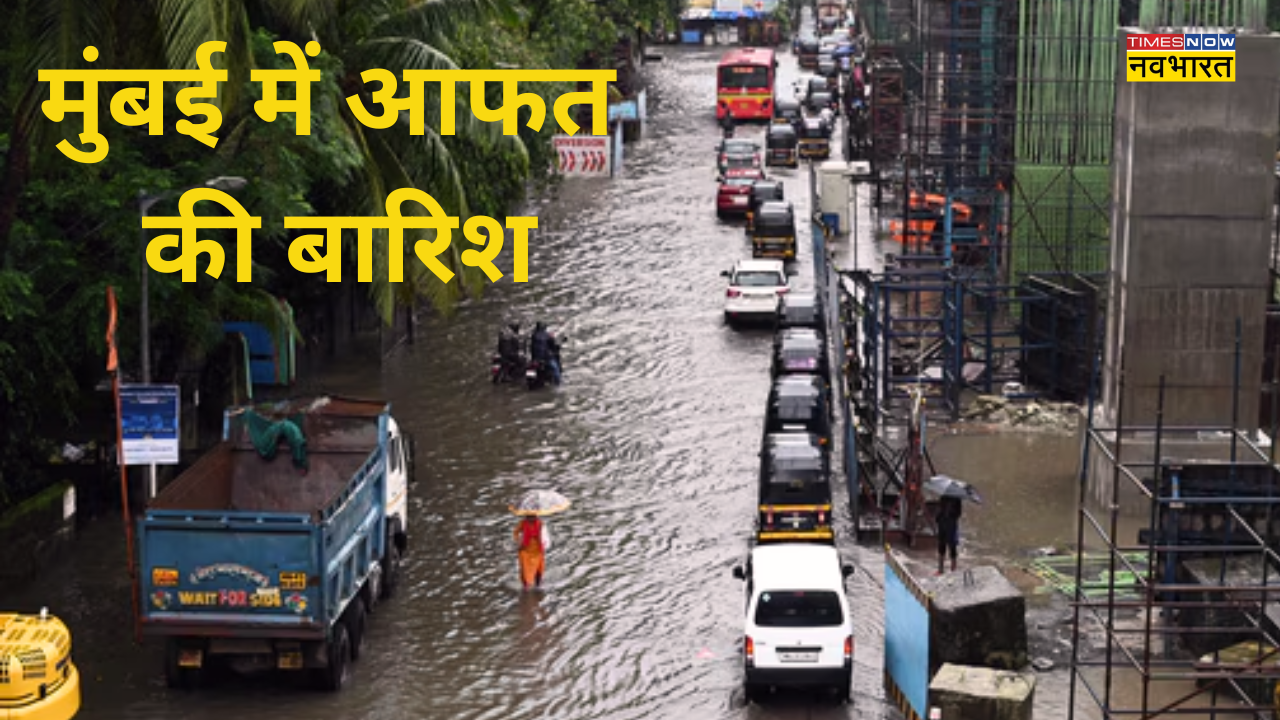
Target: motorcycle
{"type": "Point", "coordinates": [537, 374]}
{"type": "Point", "coordinates": [504, 370]}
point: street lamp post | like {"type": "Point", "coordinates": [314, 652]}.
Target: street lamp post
{"type": "Point", "coordinates": [145, 202]}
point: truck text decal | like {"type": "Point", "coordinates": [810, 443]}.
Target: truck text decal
{"type": "Point", "coordinates": [248, 574]}
{"type": "Point", "coordinates": [260, 598]}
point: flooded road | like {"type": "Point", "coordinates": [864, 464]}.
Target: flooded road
{"type": "Point", "coordinates": [654, 435]}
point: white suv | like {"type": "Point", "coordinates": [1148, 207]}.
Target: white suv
{"type": "Point", "coordinates": [799, 632]}
{"type": "Point", "coordinates": [755, 287]}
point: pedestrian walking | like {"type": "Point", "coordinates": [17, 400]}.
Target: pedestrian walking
{"type": "Point", "coordinates": [533, 542]}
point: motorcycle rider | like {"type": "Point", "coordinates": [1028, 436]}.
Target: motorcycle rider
{"type": "Point", "coordinates": [509, 349]}
{"type": "Point", "coordinates": [726, 124]}
{"type": "Point", "coordinates": [544, 348]}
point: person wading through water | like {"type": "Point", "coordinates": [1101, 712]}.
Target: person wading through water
{"type": "Point", "coordinates": [948, 518]}
{"type": "Point", "coordinates": [532, 539]}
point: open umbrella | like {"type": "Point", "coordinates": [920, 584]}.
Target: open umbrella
{"type": "Point", "coordinates": [540, 502]}
{"type": "Point", "coordinates": [944, 486]}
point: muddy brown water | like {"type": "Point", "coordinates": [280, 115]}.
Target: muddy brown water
{"type": "Point", "coordinates": [654, 435]}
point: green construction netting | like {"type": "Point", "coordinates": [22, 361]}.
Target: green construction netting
{"type": "Point", "coordinates": [266, 435]}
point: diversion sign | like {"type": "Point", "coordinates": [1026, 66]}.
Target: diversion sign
{"type": "Point", "coordinates": [1188, 57]}
{"type": "Point", "coordinates": [149, 424]}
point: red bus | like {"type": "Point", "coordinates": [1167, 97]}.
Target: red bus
{"type": "Point", "coordinates": [744, 84]}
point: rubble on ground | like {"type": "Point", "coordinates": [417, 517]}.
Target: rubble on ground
{"type": "Point", "coordinates": [995, 409]}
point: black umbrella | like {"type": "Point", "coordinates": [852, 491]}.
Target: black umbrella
{"type": "Point", "coordinates": [945, 486]}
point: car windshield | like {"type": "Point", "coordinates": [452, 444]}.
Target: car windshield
{"type": "Point", "coordinates": [799, 608]}
{"type": "Point", "coordinates": [799, 412]}
{"type": "Point", "coordinates": [739, 181]}
{"type": "Point", "coordinates": [752, 77]}
{"type": "Point", "coordinates": [769, 226]}
{"type": "Point", "coordinates": [758, 278]}
{"type": "Point", "coordinates": [738, 147]}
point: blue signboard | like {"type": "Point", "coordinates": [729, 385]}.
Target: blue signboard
{"type": "Point", "coordinates": [625, 110]}
{"type": "Point", "coordinates": [149, 424]}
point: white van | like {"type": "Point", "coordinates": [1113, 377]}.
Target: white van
{"type": "Point", "coordinates": [799, 632]}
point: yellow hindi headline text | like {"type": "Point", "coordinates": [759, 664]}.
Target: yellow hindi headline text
{"type": "Point", "coordinates": [126, 104]}
{"type": "Point", "coordinates": [323, 252]}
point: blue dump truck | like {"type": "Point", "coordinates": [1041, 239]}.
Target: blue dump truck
{"type": "Point", "coordinates": [272, 549]}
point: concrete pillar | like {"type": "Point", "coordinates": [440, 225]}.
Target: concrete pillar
{"type": "Point", "coordinates": [1193, 185]}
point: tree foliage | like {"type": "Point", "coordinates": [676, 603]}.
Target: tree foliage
{"type": "Point", "coordinates": [67, 230]}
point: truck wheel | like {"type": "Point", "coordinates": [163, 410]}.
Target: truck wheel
{"type": "Point", "coordinates": [391, 577]}
{"type": "Point", "coordinates": [372, 590]}
{"type": "Point", "coordinates": [176, 676]}
{"type": "Point", "coordinates": [751, 693]}
{"type": "Point", "coordinates": [334, 677]}
{"type": "Point", "coordinates": [355, 621]}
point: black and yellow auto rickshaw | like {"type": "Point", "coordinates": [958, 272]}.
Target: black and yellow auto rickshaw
{"type": "Point", "coordinates": [815, 140]}
{"type": "Point", "coordinates": [787, 111]}
{"type": "Point", "coordinates": [780, 146]}
{"type": "Point", "coordinates": [762, 191]}
{"type": "Point", "coordinates": [773, 232]}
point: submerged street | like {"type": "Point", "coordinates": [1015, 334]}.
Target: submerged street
{"type": "Point", "coordinates": [654, 435]}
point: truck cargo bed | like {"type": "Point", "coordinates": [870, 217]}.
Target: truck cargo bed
{"type": "Point", "coordinates": [233, 476]}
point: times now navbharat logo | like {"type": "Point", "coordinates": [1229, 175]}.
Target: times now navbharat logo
{"type": "Point", "coordinates": [1184, 57]}
{"type": "Point", "coordinates": [1188, 42]}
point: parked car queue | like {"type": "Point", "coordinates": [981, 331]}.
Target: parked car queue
{"type": "Point", "coordinates": [798, 629]}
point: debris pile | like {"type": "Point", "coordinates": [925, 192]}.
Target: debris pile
{"type": "Point", "coordinates": [1025, 414]}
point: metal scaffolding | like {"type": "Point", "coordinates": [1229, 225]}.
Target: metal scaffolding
{"type": "Point", "coordinates": [1191, 628]}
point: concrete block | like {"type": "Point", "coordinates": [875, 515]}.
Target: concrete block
{"type": "Point", "coordinates": [978, 693]}
{"type": "Point", "coordinates": [978, 618]}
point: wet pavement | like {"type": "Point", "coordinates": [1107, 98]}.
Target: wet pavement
{"type": "Point", "coordinates": [654, 435]}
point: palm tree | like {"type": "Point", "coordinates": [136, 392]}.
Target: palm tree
{"type": "Point", "coordinates": [362, 34]}
{"type": "Point", "coordinates": [365, 34]}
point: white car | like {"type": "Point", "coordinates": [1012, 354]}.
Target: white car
{"type": "Point", "coordinates": [799, 632]}
{"type": "Point", "coordinates": [755, 287]}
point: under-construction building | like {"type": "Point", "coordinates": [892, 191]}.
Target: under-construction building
{"type": "Point", "coordinates": [995, 119]}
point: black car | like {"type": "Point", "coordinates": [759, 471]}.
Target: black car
{"type": "Point", "coordinates": [815, 139]}
{"type": "Point", "coordinates": [816, 85]}
{"type": "Point", "coordinates": [821, 100]}
{"type": "Point", "coordinates": [806, 439]}
{"type": "Point", "coordinates": [800, 351]}
{"type": "Point", "coordinates": [762, 191]}
{"type": "Point", "coordinates": [798, 403]}
{"type": "Point", "coordinates": [800, 310]}
{"type": "Point", "coordinates": [827, 66]}
{"type": "Point", "coordinates": [795, 493]}
{"type": "Point", "coordinates": [787, 111]}
{"type": "Point", "coordinates": [773, 231]}
{"type": "Point", "coordinates": [781, 146]}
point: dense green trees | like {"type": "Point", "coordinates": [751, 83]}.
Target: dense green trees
{"type": "Point", "coordinates": [68, 230]}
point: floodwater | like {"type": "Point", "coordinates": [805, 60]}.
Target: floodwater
{"type": "Point", "coordinates": [653, 435]}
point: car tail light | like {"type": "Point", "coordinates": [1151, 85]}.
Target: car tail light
{"type": "Point", "coordinates": [783, 291]}
{"type": "Point", "coordinates": [749, 646]}
{"type": "Point", "coordinates": [822, 517]}
{"type": "Point", "coordinates": [733, 292]}
{"type": "Point", "coordinates": [848, 647]}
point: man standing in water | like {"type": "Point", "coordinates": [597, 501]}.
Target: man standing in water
{"type": "Point", "coordinates": [533, 541]}
{"type": "Point", "coordinates": [948, 531]}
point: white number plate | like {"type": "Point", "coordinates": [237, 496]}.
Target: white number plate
{"type": "Point", "coordinates": [798, 656]}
